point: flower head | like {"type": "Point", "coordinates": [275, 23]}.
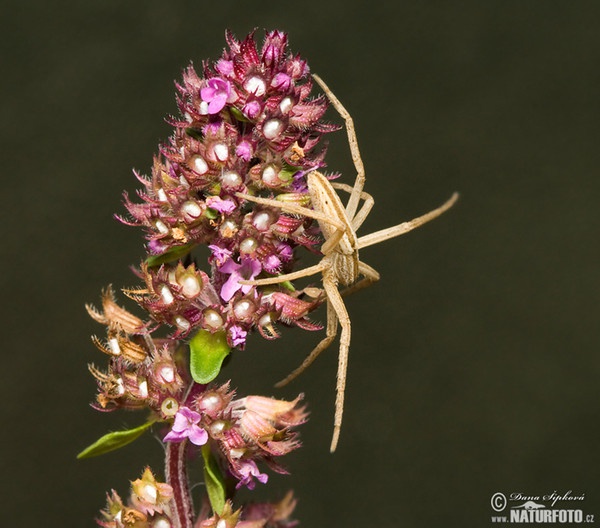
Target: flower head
{"type": "Point", "coordinates": [247, 126]}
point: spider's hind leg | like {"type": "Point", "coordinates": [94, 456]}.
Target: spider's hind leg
{"type": "Point", "coordinates": [332, 322]}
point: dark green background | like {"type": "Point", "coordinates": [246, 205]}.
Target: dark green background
{"type": "Point", "coordinates": [474, 362]}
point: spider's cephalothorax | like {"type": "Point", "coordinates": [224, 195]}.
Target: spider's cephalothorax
{"type": "Point", "coordinates": [340, 263]}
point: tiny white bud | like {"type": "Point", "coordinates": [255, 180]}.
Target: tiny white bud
{"type": "Point", "coordinates": [213, 319]}
{"type": "Point", "coordinates": [243, 309]}
{"type": "Point", "coordinates": [161, 195]}
{"type": "Point", "coordinates": [237, 452]}
{"type": "Point", "coordinates": [190, 285]}
{"type": "Point", "coordinates": [265, 320]}
{"type": "Point", "coordinates": [161, 522]}
{"type": "Point", "coordinates": [286, 105]}
{"type": "Point", "coordinates": [262, 220]}
{"type": "Point", "coordinates": [166, 294]}
{"type": "Point", "coordinates": [167, 373]}
{"type": "Point", "coordinates": [231, 179]}
{"type": "Point", "coordinates": [248, 245]}
{"type": "Point", "coordinates": [191, 208]}
{"type": "Point", "coordinates": [270, 175]}
{"type": "Point", "coordinates": [182, 323]}
{"type": "Point", "coordinates": [272, 128]}
{"type": "Point", "coordinates": [228, 228]}
{"type": "Point", "coordinates": [150, 493]}
{"type": "Point", "coordinates": [256, 85]}
{"type": "Point", "coordinates": [143, 388]}
{"type": "Point", "coordinates": [217, 427]}
{"type": "Point", "coordinates": [211, 402]}
{"type": "Point", "coordinates": [113, 344]}
{"type": "Point", "coordinates": [161, 227]}
{"type": "Point", "coordinates": [221, 151]}
{"type": "Point", "coordinates": [199, 165]}
{"type": "Point", "coordinates": [120, 387]}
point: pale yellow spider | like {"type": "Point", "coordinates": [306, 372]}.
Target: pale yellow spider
{"type": "Point", "coordinates": [340, 263]}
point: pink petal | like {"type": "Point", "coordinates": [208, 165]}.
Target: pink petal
{"type": "Point", "coordinates": [231, 286]}
{"type": "Point", "coordinates": [197, 435]}
{"type": "Point", "coordinates": [217, 103]}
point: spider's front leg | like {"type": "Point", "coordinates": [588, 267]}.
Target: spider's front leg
{"type": "Point", "coordinates": [364, 211]}
{"type": "Point", "coordinates": [353, 142]}
{"type": "Point", "coordinates": [294, 209]}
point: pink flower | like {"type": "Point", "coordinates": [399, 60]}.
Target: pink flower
{"type": "Point", "coordinates": [247, 470]}
{"type": "Point", "coordinates": [216, 93]}
{"type": "Point", "coordinates": [185, 426]}
{"type": "Point", "coordinates": [218, 204]}
{"type": "Point", "coordinates": [221, 255]}
{"type": "Point", "coordinates": [244, 150]}
{"type": "Point", "coordinates": [247, 270]}
{"type": "Point", "coordinates": [225, 67]}
{"type": "Point", "coordinates": [237, 335]}
{"type": "Point", "coordinates": [281, 81]}
{"type": "Point", "coordinates": [252, 109]}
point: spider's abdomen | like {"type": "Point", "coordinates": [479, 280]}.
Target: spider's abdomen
{"type": "Point", "coordinates": [345, 267]}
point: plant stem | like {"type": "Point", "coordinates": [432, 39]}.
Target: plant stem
{"type": "Point", "coordinates": [176, 475]}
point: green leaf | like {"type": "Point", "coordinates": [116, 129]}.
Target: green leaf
{"type": "Point", "coordinates": [288, 285]}
{"type": "Point", "coordinates": [213, 478]}
{"type": "Point", "coordinates": [170, 255]}
{"type": "Point", "coordinates": [195, 133]}
{"type": "Point", "coordinates": [287, 173]}
{"type": "Point", "coordinates": [111, 441]}
{"type": "Point", "coordinates": [235, 112]}
{"type": "Point", "coordinates": [207, 352]}
{"type": "Point", "coordinates": [211, 214]}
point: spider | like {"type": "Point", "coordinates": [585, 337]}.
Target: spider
{"type": "Point", "coordinates": [340, 263]}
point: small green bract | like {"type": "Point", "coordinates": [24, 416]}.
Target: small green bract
{"type": "Point", "coordinates": [207, 352]}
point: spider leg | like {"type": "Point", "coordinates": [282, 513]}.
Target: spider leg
{"type": "Point", "coordinates": [353, 142]}
{"type": "Point", "coordinates": [293, 209]}
{"type": "Point", "coordinates": [364, 211]}
{"type": "Point", "coordinates": [405, 227]}
{"type": "Point", "coordinates": [370, 275]}
{"type": "Point", "coordinates": [331, 332]}
{"type": "Point", "coordinates": [334, 297]}
{"type": "Point", "coordinates": [306, 272]}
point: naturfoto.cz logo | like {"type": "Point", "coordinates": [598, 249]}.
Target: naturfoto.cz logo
{"type": "Point", "coordinates": [550, 508]}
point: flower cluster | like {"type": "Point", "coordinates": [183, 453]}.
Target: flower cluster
{"type": "Point", "coordinates": [248, 126]}
{"type": "Point", "coordinates": [255, 515]}
{"type": "Point", "coordinates": [246, 430]}
{"type": "Point", "coordinates": [148, 506]}
{"type": "Point", "coordinates": [142, 371]}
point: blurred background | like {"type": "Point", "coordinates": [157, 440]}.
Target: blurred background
{"type": "Point", "coordinates": [474, 362]}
